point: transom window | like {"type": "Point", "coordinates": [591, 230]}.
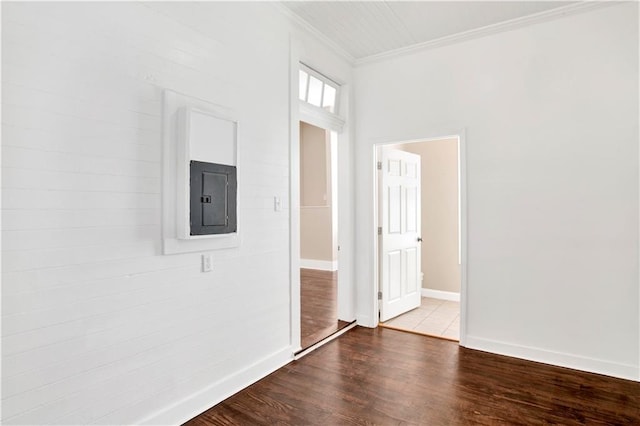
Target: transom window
{"type": "Point", "coordinates": [318, 90]}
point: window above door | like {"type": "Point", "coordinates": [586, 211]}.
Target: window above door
{"type": "Point", "coordinates": [318, 90]}
{"type": "Point", "coordinates": [319, 97]}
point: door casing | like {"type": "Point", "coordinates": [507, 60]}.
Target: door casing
{"type": "Point", "coordinates": [346, 285]}
{"type": "Point", "coordinates": [462, 178]}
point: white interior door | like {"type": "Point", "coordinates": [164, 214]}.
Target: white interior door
{"type": "Point", "coordinates": [399, 232]}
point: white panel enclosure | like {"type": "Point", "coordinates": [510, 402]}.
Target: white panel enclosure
{"type": "Point", "coordinates": [193, 130]}
{"type": "Point", "coordinates": [210, 138]}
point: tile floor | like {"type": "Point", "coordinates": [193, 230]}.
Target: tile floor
{"type": "Point", "coordinates": [434, 317]}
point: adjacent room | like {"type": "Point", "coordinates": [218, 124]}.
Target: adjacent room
{"type": "Point", "coordinates": [438, 240]}
{"type": "Point", "coordinates": [204, 219]}
{"type": "Point", "coordinates": [318, 235]}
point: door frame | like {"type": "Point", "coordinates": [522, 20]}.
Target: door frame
{"type": "Point", "coordinates": [462, 199]}
{"type": "Point", "coordinates": [345, 222]}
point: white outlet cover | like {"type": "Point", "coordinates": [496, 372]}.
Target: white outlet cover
{"type": "Point", "coordinates": [207, 262]}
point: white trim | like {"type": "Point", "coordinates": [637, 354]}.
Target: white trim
{"type": "Point", "coordinates": [475, 33]}
{"type": "Point", "coordinates": [442, 295]}
{"type": "Point", "coordinates": [321, 265]}
{"type": "Point", "coordinates": [462, 152]}
{"type": "Point", "coordinates": [200, 401]}
{"type": "Point", "coordinates": [591, 365]}
{"type": "Point", "coordinates": [294, 196]}
{"type": "Point", "coordinates": [324, 341]}
{"type": "Point", "coordinates": [346, 211]}
{"type": "Point", "coordinates": [320, 118]}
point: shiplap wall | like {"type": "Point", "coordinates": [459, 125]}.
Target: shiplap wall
{"type": "Point", "coordinates": [97, 325]}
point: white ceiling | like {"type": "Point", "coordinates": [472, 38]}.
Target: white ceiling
{"type": "Point", "coordinates": [366, 28]}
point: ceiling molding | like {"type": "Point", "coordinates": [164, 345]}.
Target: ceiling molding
{"type": "Point", "coordinates": [306, 26]}
{"type": "Point", "coordinates": [511, 24]}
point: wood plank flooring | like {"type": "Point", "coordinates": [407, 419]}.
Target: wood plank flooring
{"type": "Point", "coordinates": [388, 377]}
{"type": "Point", "coordinates": [318, 306]}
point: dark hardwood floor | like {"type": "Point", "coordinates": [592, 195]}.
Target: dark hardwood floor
{"type": "Point", "coordinates": [318, 306]}
{"type": "Point", "coordinates": [387, 377]}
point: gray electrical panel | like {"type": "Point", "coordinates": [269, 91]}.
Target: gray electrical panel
{"type": "Point", "coordinates": [213, 204]}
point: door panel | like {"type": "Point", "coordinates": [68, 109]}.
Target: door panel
{"type": "Point", "coordinates": [395, 210]}
{"type": "Point", "coordinates": [412, 267]}
{"type": "Point", "coordinates": [399, 218]}
{"type": "Point", "coordinates": [413, 210]}
{"type": "Point", "coordinates": [395, 274]}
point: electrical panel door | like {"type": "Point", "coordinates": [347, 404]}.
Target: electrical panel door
{"type": "Point", "coordinates": [213, 204]}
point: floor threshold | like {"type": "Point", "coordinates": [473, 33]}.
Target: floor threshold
{"type": "Point", "coordinates": [419, 333]}
{"type": "Point", "coordinates": [324, 341]}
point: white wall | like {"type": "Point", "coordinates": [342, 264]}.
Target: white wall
{"type": "Point", "coordinates": [97, 325]}
{"type": "Point", "coordinates": [316, 233]}
{"type": "Point", "coordinates": [551, 119]}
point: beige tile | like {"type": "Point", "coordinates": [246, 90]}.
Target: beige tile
{"type": "Point", "coordinates": [454, 326]}
{"type": "Point", "coordinates": [430, 328]}
{"type": "Point", "coordinates": [450, 304]}
{"type": "Point", "coordinates": [442, 316]}
{"type": "Point", "coordinates": [446, 306]}
{"type": "Point", "coordinates": [428, 308]}
{"type": "Point", "coordinates": [447, 309]}
{"type": "Point", "coordinates": [439, 322]}
{"type": "Point", "coordinates": [404, 322]}
{"type": "Point", "coordinates": [434, 316]}
{"type": "Point", "coordinates": [452, 334]}
{"type": "Point", "coordinates": [455, 323]}
{"type": "Point", "coordinates": [429, 302]}
{"type": "Point", "coordinates": [416, 314]}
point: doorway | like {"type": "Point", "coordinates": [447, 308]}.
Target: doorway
{"type": "Point", "coordinates": [439, 231]}
{"type": "Point", "coordinates": [318, 235]}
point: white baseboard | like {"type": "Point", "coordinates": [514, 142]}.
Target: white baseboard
{"type": "Point", "coordinates": [201, 401]}
{"type": "Point", "coordinates": [591, 365]}
{"type": "Point", "coordinates": [443, 295]}
{"type": "Point", "coordinates": [322, 265]}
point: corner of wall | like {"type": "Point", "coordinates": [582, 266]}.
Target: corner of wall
{"type": "Point", "coordinates": [591, 365]}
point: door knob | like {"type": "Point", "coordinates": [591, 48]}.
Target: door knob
{"type": "Point", "coordinates": [419, 239]}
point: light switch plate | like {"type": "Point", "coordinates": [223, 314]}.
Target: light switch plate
{"type": "Point", "coordinates": [207, 262]}
{"type": "Point", "coordinates": [277, 204]}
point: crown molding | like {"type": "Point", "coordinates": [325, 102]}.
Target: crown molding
{"type": "Point", "coordinates": [548, 15]}
{"type": "Point", "coordinates": [306, 26]}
